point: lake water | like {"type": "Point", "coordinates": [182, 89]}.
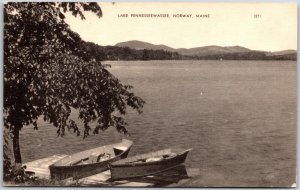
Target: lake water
{"type": "Point", "coordinates": [238, 116]}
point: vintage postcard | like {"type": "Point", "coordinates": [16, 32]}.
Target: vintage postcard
{"type": "Point", "coordinates": [150, 94]}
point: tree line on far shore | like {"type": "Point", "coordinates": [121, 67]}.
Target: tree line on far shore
{"type": "Point", "coordinates": [252, 55]}
{"type": "Point", "coordinates": [125, 53]}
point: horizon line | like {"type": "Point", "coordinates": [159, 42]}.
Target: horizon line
{"type": "Point", "coordinates": [200, 46]}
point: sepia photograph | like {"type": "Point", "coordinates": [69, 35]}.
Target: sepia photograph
{"type": "Point", "coordinates": [152, 94]}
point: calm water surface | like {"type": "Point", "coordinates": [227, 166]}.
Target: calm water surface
{"type": "Point", "coordinates": [238, 116]}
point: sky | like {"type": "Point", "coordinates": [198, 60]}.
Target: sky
{"type": "Point", "coordinates": [229, 24]}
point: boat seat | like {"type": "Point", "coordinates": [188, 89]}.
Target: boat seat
{"type": "Point", "coordinates": [121, 147]}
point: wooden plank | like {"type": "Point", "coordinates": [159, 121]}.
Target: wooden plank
{"type": "Point", "coordinates": [41, 169]}
{"type": "Point", "coordinates": [134, 184]}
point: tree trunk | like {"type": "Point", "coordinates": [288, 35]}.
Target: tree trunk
{"type": "Point", "coordinates": [16, 146]}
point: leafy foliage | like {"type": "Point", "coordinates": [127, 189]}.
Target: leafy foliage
{"type": "Point", "coordinates": [18, 175]}
{"type": "Point", "coordinates": [47, 72]}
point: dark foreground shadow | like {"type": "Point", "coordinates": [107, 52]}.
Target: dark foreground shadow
{"type": "Point", "coordinates": [171, 176]}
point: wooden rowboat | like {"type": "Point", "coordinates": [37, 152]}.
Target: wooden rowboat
{"type": "Point", "coordinates": [147, 164]}
{"type": "Point", "coordinates": [89, 162]}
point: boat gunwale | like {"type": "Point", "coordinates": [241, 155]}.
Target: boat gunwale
{"type": "Point", "coordinates": [101, 162]}
{"type": "Point", "coordinates": [133, 164]}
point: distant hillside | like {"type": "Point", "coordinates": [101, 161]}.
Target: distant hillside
{"type": "Point", "coordinates": [198, 51]}
{"type": "Point", "coordinates": [139, 45]}
{"type": "Point", "coordinates": [211, 50]}
{"type": "Point", "coordinates": [214, 52]}
{"type": "Point", "coordinates": [285, 52]}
